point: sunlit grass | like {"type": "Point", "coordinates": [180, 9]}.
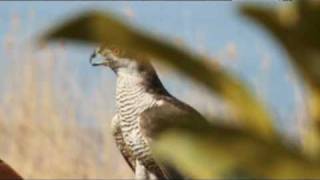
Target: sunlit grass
{"type": "Point", "coordinates": [41, 135]}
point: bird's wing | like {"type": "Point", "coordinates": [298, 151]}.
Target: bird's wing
{"type": "Point", "coordinates": [117, 135]}
{"type": "Point", "coordinates": [169, 113]}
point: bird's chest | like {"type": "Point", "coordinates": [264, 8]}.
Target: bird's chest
{"type": "Point", "coordinates": [131, 102]}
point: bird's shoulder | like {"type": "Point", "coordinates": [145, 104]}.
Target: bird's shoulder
{"type": "Point", "coordinates": [167, 113]}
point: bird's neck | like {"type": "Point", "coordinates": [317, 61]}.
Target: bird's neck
{"type": "Point", "coordinates": [132, 96]}
{"type": "Point", "coordinates": [148, 83]}
{"type": "Point", "coordinates": [136, 90]}
{"type": "Point", "coordinates": [128, 80]}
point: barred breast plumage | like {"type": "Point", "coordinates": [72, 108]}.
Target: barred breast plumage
{"type": "Point", "coordinates": [144, 108]}
{"type": "Point", "coordinates": [132, 99]}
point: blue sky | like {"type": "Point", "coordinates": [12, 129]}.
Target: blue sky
{"type": "Point", "coordinates": [209, 26]}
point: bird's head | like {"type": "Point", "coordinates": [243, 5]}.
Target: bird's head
{"type": "Point", "coordinates": [134, 65]}
{"type": "Point", "coordinates": [120, 61]}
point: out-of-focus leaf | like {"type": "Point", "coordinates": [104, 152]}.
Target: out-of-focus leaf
{"type": "Point", "coordinates": [221, 152]}
{"type": "Point", "coordinates": [95, 27]}
{"type": "Point", "coordinates": [297, 28]}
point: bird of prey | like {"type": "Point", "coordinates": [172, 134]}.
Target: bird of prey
{"type": "Point", "coordinates": [6, 172]}
{"type": "Point", "coordinates": [144, 108]}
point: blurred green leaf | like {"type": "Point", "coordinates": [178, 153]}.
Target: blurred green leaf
{"type": "Point", "coordinates": [297, 28]}
{"type": "Point", "coordinates": [98, 28]}
{"type": "Point", "coordinates": [221, 152]}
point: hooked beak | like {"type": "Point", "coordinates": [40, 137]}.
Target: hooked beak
{"type": "Point", "coordinates": [97, 60]}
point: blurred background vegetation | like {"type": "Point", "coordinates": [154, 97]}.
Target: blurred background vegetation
{"type": "Point", "coordinates": [41, 136]}
{"type": "Point", "coordinates": [42, 104]}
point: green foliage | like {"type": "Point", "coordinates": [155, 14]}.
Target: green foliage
{"type": "Point", "coordinates": [215, 151]}
{"type": "Point", "coordinates": [222, 153]}
{"type": "Point", "coordinates": [297, 28]}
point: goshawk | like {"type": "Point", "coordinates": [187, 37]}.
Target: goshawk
{"type": "Point", "coordinates": [144, 108]}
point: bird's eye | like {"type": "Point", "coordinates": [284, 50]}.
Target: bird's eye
{"type": "Point", "coordinates": [116, 51]}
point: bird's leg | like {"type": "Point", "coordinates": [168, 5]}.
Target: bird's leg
{"type": "Point", "coordinates": [152, 176]}
{"type": "Point", "coordinates": [141, 172]}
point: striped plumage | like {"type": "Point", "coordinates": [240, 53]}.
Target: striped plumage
{"type": "Point", "coordinates": [140, 97]}
{"type": "Point", "coordinates": [132, 100]}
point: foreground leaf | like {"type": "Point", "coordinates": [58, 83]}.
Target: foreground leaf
{"type": "Point", "coordinates": [219, 152]}
{"type": "Point", "coordinates": [98, 28]}
{"type": "Point", "coordinates": [297, 28]}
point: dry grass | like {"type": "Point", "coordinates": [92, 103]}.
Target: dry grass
{"type": "Point", "coordinates": [41, 134]}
